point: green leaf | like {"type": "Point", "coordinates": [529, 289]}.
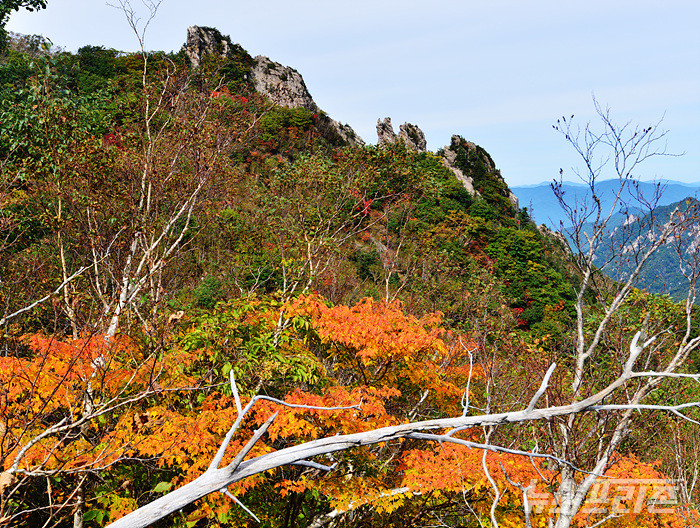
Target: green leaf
{"type": "Point", "coordinates": [162, 486]}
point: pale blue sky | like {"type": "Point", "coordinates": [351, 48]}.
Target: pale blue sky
{"type": "Point", "coordinates": [497, 72]}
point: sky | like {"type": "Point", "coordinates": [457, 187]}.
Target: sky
{"type": "Point", "coordinates": [497, 72]}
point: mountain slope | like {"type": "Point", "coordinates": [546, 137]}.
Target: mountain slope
{"type": "Point", "coordinates": [663, 271]}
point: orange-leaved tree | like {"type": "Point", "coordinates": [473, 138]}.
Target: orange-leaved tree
{"type": "Point", "coordinates": [389, 369]}
{"type": "Point", "coordinates": [61, 403]}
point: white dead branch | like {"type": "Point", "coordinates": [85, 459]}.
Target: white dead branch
{"type": "Point", "coordinates": [217, 478]}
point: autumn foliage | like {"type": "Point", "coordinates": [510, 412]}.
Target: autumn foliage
{"type": "Point", "coordinates": [174, 227]}
{"type": "Point", "coordinates": [372, 354]}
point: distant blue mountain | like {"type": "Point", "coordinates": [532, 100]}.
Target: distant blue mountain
{"type": "Point", "coordinates": [544, 208]}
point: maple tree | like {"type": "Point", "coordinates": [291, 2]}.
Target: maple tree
{"type": "Point", "coordinates": [49, 433]}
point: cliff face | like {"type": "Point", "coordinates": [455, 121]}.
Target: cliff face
{"type": "Point", "coordinates": [283, 85]}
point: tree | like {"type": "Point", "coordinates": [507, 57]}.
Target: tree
{"type": "Point", "coordinates": [102, 208]}
{"type": "Point", "coordinates": [217, 478]}
{"type": "Point", "coordinates": [620, 150]}
{"type": "Point", "coordinates": [120, 188]}
{"type": "Point", "coordinates": [50, 142]}
{"type": "Point", "coordinates": [61, 440]}
{"type": "Point", "coordinates": [15, 5]}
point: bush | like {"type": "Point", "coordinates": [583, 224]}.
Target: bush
{"type": "Point", "coordinates": [208, 293]}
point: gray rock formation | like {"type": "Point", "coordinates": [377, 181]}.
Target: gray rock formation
{"type": "Point", "coordinates": [285, 86]}
{"type": "Point", "coordinates": [282, 84]}
{"type": "Point", "coordinates": [448, 159]}
{"type": "Point", "coordinates": [514, 200]}
{"type": "Point", "coordinates": [346, 132]}
{"type": "Point", "coordinates": [413, 137]}
{"type": "Point", "coordinates": [409, 134]}
{"type": "Point", "coordinates": [561, 238]}
{"type": "Point", "coordinates": [385, 132]}
{"type": "Point", "coordinates": [202, 41]}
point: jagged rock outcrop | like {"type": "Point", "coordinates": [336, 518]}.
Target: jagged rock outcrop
{"type": "Point", "coordinates": [409, 134]}
{"type": "Point", "coordinates": [282, 84]}
{"type": "Point", "coordinates": [203, 41]}
{"type": "Point", "coordinates": [514, 200]}
{"type": "Point", "coordinates": [413, 137]}
{"type": "Point", "coordinates": [285, 86]}
{"type": "Point", "coordinates": [346, 132]}
{"type": "Point", "coordinates": [561, 238]}
{"type": "Point", "coordinates": [449, 157]}
{"type": "Point", "coordinates": [385, 132]}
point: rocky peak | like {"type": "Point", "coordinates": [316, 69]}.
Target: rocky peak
{"type": "Point", "coordinates": [409, 134]}
{"type": "Point", "coordinates": [452, 151]}
{"type": "Point", "coordinates": [285, 86]}
{"type": "Point", "coordinates": [203, 41]}
{"type": "Point", "coordinates": [413, 137]}
{"type": "Point", "coordinates": [282, 84]}
{"type": "Point", "coordinates": [449, 158]}
{"type": "Point", "coordinates": [385, 132]}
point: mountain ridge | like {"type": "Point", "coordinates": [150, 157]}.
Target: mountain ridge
{"type": "Point", "coordinates": [543, 206]}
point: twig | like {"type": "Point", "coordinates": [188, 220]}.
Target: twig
{"type": "Point", "coordinates": [251, 443]}
{"type": "Point", "coordinates": [235, 499]}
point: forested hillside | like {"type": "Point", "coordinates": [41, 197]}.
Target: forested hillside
{"type": "Point", "coordinates": [638, 208]}
{"type": "Point", "coordinates": [175, 242]}
{"type": "Point", "coordinates": [664, 272]}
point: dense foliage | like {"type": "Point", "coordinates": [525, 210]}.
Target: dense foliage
{"type": "Point", "coordinates": [180, 227]}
